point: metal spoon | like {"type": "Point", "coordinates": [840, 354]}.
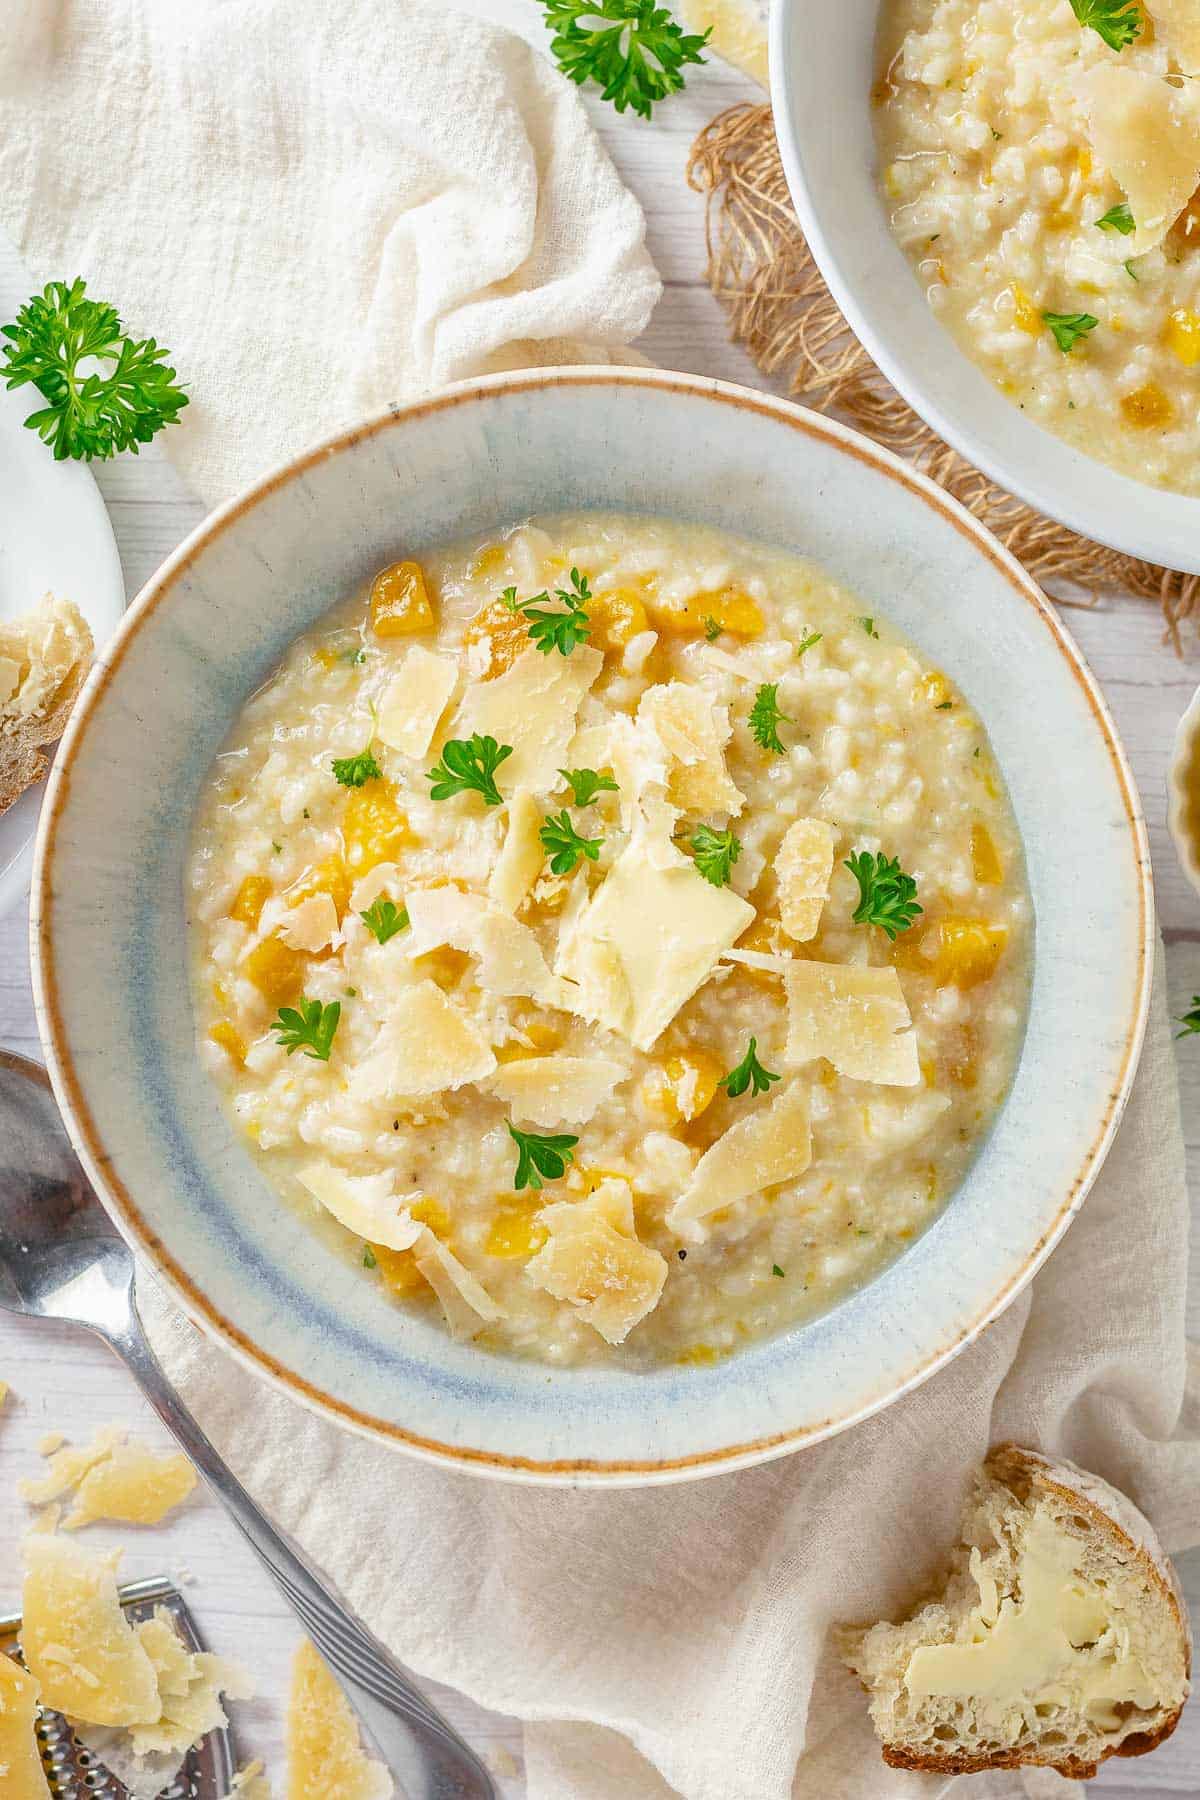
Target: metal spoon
{"type": "Point", "coordinates": [61, 1257]}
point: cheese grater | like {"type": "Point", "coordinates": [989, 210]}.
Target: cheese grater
{"type": "Point", "coordinates": [75, 1773]}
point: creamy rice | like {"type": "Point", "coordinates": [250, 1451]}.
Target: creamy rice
{"type": "Point", "coordinates": [994, 186]}
{"type": "Point", "coordinates": [877, 746]}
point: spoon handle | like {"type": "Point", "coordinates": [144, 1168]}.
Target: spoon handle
{"type": "Point", "coordinates": [420, 1747]}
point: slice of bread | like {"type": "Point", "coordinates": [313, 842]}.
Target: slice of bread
{"type": "Point", "coordinates": [44, 656]}
{"type": "Point", "coordinates": [1061, 1637]}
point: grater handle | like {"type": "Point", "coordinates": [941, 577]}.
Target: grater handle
{"type": "Point", "coordinates": [421, 1748]}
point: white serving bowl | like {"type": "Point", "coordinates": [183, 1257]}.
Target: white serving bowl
{"type": "Point", "coordinates": [110, 945]}
{"type": "Point", "coordinates": [820, 91]}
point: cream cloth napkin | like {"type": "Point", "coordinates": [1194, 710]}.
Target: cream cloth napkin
{"type": "Point", "coordinates": [317, 207]}
{"type": "Point", "coordinates": [675, 1640]}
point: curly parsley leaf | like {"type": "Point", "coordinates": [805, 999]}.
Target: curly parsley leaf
{"type": "Point", "coordinates": [540, 1157]}
{"type": "Point", "coordinates": [563, 844]}
{"type": "Point", "coordinates": [383, 919]}
{"type": "Point", "coordinates": [749, 1075]}
{"type": "Point", "coordinates": [585, 784]}
{"type": "Point", "coordinates": [1190, 1020]}
{"type": "Point", "coordinates": [712, 628]}
{"type": "Point", "coordinates": [632, 49]}
{"type": "Point", "coordinates": [353, 771]}
{"type": "Point", "coordinates": [808, 640]}
{"type": "Point", "coordinates": [309, 1026]}
{"type": "Point", "coordinates": [868, 625]}
{"type": "Point", "coordinates": [1118, 22]}
{"type": "Point", "coordinates": [766, 717]}
{"type": "Point", "coordinates": [887, 896]}
{"type": "Point", "coordinates": [468, 766]}
{"type": "Point", "coordinates": [1117, 218]}
{"type": "Point", "coordinates": [370, 1260]}
{"type": "Point", "coordinates": [1127, 265]}
{"type": "Point", "coordinates": [94, 414]}
{"type": "Point", "coordinates": [714, 854]}
{"type": "Point", "coordinates": [1068, 328]}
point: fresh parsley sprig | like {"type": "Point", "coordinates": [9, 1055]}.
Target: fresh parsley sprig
{"type": "Point", "coordinates": [555, 628]}
{"type": "Point", "coordinates": [383, 919]}
{"type": "Point", "coordinates": [1068, 328]}
{"type": "Point", "coordinates": [1190, 1020]}
{"type": "Point", "coordinates": [353, 771]}
{"type": "Point", "coordinates": [749, 1074]}
{"type": "Point", "coordinates": [563, 844]}
{"type": "Point", "coordinates": [94, 414]}
{"type": "Point", "coordinates": [808, 640]}
{"type": "Point", "coordinates": [1117, 218]}
{"type": "Point", "coordinates": [540, 1157]}
{"type": "Point", "coordinates": [309, 1026]}
{"type": "Point", "coordinates": [1118, 22]}
{"type": "Point", "coordinates": [468, 766]}
{"type": "Point", "coordinates": [714, 853]}
{"type": "Point", "coordinates": [585, 784]}
{"type": "Point", "coordinates": [632, 49]}
{"type": "Point", "coordinates": [766, 716]}
{"type": "Point", "coordinates": [886, 895]}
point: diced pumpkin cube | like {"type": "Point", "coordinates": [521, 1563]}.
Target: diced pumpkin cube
{"type": "Point", "coordinates": [935, 688]}
{"type": "Point", "coordinates": [986, 861]}
{"type": "Point", "coordinates": [400, 601]}
{"type": "Point", "coordinates": [231, 1041]}
{"type": "Point", "coordinates": [968, 950]}
{"type": "Point", "coordinates": [515, 1231]}
{"type": "Point", "coordinates": [731, 609]}
{"type": "Point", "coordinates": [445, 966]}
{"type": "Point", "coordinates": [374, 830]}
{"type": "Point", "coordinates": [250, 899]}
{"type": "Point", "coordinates": [276, 970]}
{"type": "Point", "coordinates": [1181, 334]}
{"type": "Point", "coordinates": [1027, 314]}
{"type": "Point", "coordinates": [331, 877]}
{"type": "Point", "coordinates": [399, 1270]}
{"type": "Point", "coordinates": [432, 1213]}
{"type": "Point", "coordinates": [616, 618]}
{"type": "Point", "coordinates": [683, 1087]}
{"type": "Point", "coordinates": [1147, 408]}
{"type": "Point", "coordinates": [764, 935]}
{"type": "Point", "coordinates": [506, 633]}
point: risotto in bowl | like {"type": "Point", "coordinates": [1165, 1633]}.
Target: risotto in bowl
{"type": "Point", "coordinates": [594, 936]}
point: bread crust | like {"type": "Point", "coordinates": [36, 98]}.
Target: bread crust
{"type": "Point", "coordinates": [1113, 1515]}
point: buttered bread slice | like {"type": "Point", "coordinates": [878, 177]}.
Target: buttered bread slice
{"type": "Point", "coordinates": [1061, 1638]}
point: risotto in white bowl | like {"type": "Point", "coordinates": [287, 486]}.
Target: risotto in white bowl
{"type": "Point", "coordinates": [1040, 163]}
{"type": "Point", "coordinates": [610, 936]}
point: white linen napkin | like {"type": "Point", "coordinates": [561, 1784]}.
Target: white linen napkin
{"type": "Point", "coordinates": [675, 1640]}
{"type": "Point", "coordinates": [318, 208]}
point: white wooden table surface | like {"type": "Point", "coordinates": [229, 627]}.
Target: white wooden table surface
{"type": "Point", "coordinates": [67, 1383]}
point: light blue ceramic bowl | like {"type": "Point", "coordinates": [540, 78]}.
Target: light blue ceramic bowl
{"type": "Point", "coordinates": [110, 952]}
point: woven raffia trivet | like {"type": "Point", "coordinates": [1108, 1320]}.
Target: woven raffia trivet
{"type": "Point", "coordinates": [760, 268]}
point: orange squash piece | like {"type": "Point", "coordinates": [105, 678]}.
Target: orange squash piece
{"type": "Point", "coordinates": [250, 899]}
{"type": "Point", "coordinates": [276, 970]}
{"type": "Point", "coordinates": [986, 861]}
{"type": "Point", "coordinates": [400, 601]}
{"type": "Point", "coordinates": [374, 829]}
{"type": "Point", "coordinates": [968, 950]}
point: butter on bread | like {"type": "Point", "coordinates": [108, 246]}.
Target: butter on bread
{"type": "Point", "coordinates": [1060, 1639]}
{"type": "Point", "coordinates": [44, 657]}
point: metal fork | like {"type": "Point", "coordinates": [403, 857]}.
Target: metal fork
{"type": "Point", "coordinates": [62, 1258]}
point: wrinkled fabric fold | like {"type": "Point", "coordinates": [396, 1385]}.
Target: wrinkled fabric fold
{"type": "Point", "coordinates": [318, 209]}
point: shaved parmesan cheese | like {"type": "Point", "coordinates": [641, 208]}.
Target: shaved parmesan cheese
{"type": "Point", "coordinates": [532, 706]}
{"type": "Point", "coordinates": [772, 1143]}
{"type": "Point", "coordinates": [311, 925]}
{"type": "Point", "coordinates": [465, 1301]}
{"type": "Point", "coordinates": [1177, 22]}
{"type": "Point", "coordinates": [635, 754]}
{"type": "Point", "coordinates": [76, 1640]}
{"type": "Point", "coordinates": [133, 1486]}
{"type": "Point", "coordinates": [425, 1045]}
{"type": "Point", "coordinates": [1146, 133]}
{"type": "Point", "coordinates": [858, 1019]}
{"type": "Point", "coordinates": [414, 700]}
{"type": "Point", "coordinates": [190, 1686]}
{"type": "Point", "coordinates": [367, 1205]}
{"type": "Point", "coordinates": [250, 1783]}
{"type": "Point", "coordinates": [694, 731]}
{"type": "Point", "coordinates": [384, 878]}
{"type": "Point", "coordinates": [21, 1773]}
{"type": "Point", "coordinates": [67, 1467]}
{"type": "Point", "coordinates": [803, 865]}
{"type": "Point", "coordinates": [596, 1264]}
{"type": "Point", "coordinates": [556, 1090]}
{"type": "Point", "coordinates": [645, 941]}
{"type": "Point", "coordinates": [325, 1758]}
{"type": "Point", "coordinates": [511, 963]}
{"type": "Point", "coordinates": [520, 861]}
